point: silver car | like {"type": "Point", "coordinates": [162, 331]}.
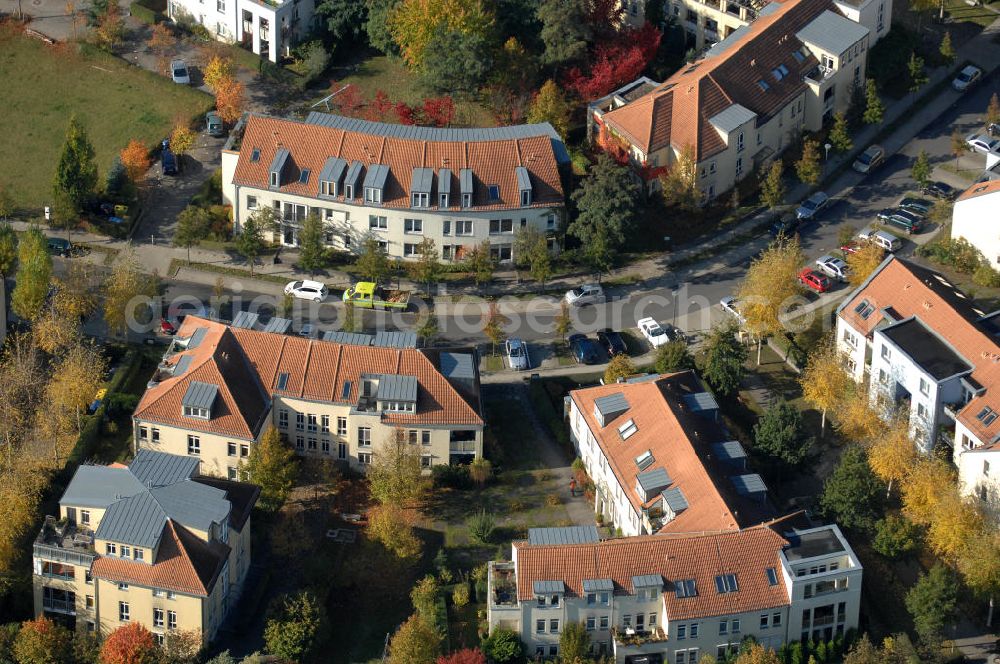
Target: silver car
{"type": "Point", "coordinates": [812, 205]}
{"type": "Point", "coordinates": [179, 72]}
{"type": "Point", "coordinates": [585, 294]}
{"type": "Point", "coordinates": [517, 354]}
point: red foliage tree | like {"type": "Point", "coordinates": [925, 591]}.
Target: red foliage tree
{"type": "Point", "coordinates": [464, 656]}
{"type": "Point", "coordinates": [348, 101]}
{"type": "Point", "coordinates": [406, 114]}
{"type": "Point", "coordinates": [438, 111]}
{"type": "Point", "coordinates": [131, 644]}
{"type": "Point", "coordinates": [615, 63]}
{"type": "Point", "coordinates": [380, 107]}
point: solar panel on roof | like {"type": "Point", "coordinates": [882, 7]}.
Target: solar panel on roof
{"type": "Point", "coordinates": [245, 320]}
{"type": "Point", "coordinates": [563, 535]}
{"type": "Point", "coordinates": [196, 338]}
{"type": "Point", "coordinates": [182, 365]}
{"type": "Point", "coordinates": [278, 325]}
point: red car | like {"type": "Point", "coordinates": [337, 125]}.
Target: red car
{"type": "Point", "coordinates": [851, 247]}
{"type": "Point", "coordinates": [166, 327]}
{"type": "Point", "coordinates": [814, 281]}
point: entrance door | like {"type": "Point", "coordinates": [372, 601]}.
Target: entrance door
{"type": "Point", "coordinates": [289, 237]}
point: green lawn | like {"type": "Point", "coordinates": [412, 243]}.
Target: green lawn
{"type": "Point", "coordinates": [42, 85]}
{"type": "Point", "coordinates": [960, 12]}
{"type": "Point", "coordinates": [391, 76]}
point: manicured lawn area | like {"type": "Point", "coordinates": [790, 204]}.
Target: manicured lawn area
{"type": "Point", "coordinates": [960, 12]}
{"type": "Point", "coordinates": [392, 77]}
{"type": "Point", "coordinates": [42, 85]}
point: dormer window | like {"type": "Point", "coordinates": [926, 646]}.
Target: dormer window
{"type": "Point", "coordinates": [192, 411]}
{"type": "Point", "coordinates": [373, 195]}
{"type": "Point", "coordinates": [275, 179]}
{"type": "Point", "coordinates": [330, 176]}
{"type": "Point", "coordinates": [374, 185]}
{"type": "Point", "coordinates": [198, 399]}
{"type": "Point", "coordinates": [420, 200]}
{"type": "Point", "coordinates": [281, 158]}
{"type": "Point", "coordinates": [349, 191]}
{"type": "Point", "coordinates": [525, 197]}
{"type": "Point", "coordinates": [443, 202]}
{"type": "Point", "coordinates": [523, 185]}
{"type": "Point", "coordinates": [466, 200]}
{"type": "Point", "coordinates": [762, 84]}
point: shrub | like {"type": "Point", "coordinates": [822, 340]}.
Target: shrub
{"type": "Point", "coordinates": [460, 596]}
{"type": "Point", "coordinates": [482, 526]}
{"type": "Point", "coordinates": [896, 536]}
{"type": "Point", "coordinates": [503, 646]}
{"type": "Point", "coordinates": [451, 477]}
{"type": "Point", "coordinates": [986, 276]}
{"type": "Point", "coordinates": [553, 500]}
{"type": "Point", "coordinates": [516, 505]}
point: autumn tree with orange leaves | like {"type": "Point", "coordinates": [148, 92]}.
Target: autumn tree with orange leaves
{"type": "Point", "coordinates": [229, 100]}
{"type": "Point", "coordinates": [135, 159]}
{"type": "Point", "coordinates": [131, 644]}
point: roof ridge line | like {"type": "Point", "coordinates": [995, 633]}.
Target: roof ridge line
{"type": "Point", "coordinates": [305, 368]}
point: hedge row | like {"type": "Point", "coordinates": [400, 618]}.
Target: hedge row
{"type": "Point", "coordinates": [547, 413]}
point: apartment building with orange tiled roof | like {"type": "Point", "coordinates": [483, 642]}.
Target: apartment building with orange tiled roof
{"type": "Point", "coordinates": [750, 95]}
{"type": "Point", "coordinates": [660, 459]}
{"type": "Point", "coordinates": [397, 184]}
{"type": "Point", "coordinates": [923, 346]}
{"type": "Point", "coordinates": [152, 542]}
{"type": "Point", "coordinates": [220, 387]}
{"type": "Point", "coordinates": [673, 598]}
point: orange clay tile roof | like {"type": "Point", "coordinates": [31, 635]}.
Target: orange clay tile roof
{"type": "Point", "coordinates": [668, 433]}
{"type": "Point", "coordinates": [911, 290]}
{"type": "Point", "coordinates": [979, 189]}
{"type": "Point", "coordinates": [677, 113]}
{"type": "Point", "coordinates": [745, 553]}
{"type": "Point", "coordinates": [184, 563]}
{"type": "Point", "coordinates": [317, 371]}
{"type": "Point", "coordinates": [310, 145]}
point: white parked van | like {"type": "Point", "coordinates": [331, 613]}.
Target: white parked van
{"type": "Point", "coordinates": [887, 241]}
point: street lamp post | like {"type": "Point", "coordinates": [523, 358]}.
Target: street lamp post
{"type": "Point", "coordinates": [827, 147]}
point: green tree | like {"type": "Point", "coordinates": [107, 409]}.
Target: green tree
{"type": "Point", "coordinates": [312, 253]}
{"type": "Point", "coordinates": [550, 105]}
{"type": "Point", "coordinates": [415, 642]}
{"type": "Point", "coordinates": [456, 61]}
{"type": "Point", "coordinates": [772, 185]}
{"type": "Point", "coordinates": [8, 250]}
{"type": "Point", "coordinates": [480, 263]}
{"type": "Point", "coordinates": [394, 476]}
{"type": "Point", "coordinates": [620, 366]}
{"type": "Point", "coordinates": [503, 646]}
{"type": "Point", "coordinates": [493, 322]}
{"type": "Point", "coordinates": [915, 69]}
{"type": "Point", "coordinates": [946, 50]}
{"type": "Point", "coordinates": [194, 223]}
{"type": "Point", "coordinates": [563, 321]}
{"type": "Point", "coordinates": [293, 630]}
{"type": "Point", "coordinates": [807, 168]}
{"type": "Point", "coordinates": [531, 250]}
{"type": "Point", "coordinates": [921, 170]}
{"type": "Point", "coordinates": [250, 240]}
{"type": "Point", "coordinates": [874, 107]}
{"type": "Point", "coordinates": [679, 183]}
{"type": "Point", "coordinates": [415, 24]}
{"type": "Point", "coordinates": [565, 30]}
{"type": "Point", "coordinates": [840, 135]}
{"type": "Point", "coordinates": [424, 597]}
{"type": "Point", "coordinates": [426, 269]}
{"type": "Point", "coordinates": [724, 360]}
{"type": "Point", "coordinates": [377, 26]}
{"type": "Point", "coordinates": [852, 495]}
{"type": "Point", "coordinates": [76, 171]}
{"type": "Point", "coordinates": [482, 526]}
{"type": "Point", "coordinates": [345, 20]}
{"type": "Point", "coordinates": [606, 210]}
{"type": "Point", "coordinates": [673, 356]}
{"type": "Point", "coordinates": [33, 275]}
{"type": "Point", "coordinates": [931, 603]}
{"type": "Point", "coordinates": [780, 434]}
{"type": "Point", "coordinates": [42, 641]}
{"type": "Point", "coordinates": [273, 466]}
{"type": "Point", "coordinates": [428, 329]}
{"type": "Point", "coordinates": [373, 262]}
{"type": "Point", "coordinates": [574, 642]}
{"type": "Point", "coordinates": [390, 526]}
{"type": "Point", "coordinates": [896, 536]}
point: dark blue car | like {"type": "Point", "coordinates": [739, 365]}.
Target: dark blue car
{"type": "Point", "coordinates": [584, 350]}
{"type": "Point", "coordinates": [169, 162]}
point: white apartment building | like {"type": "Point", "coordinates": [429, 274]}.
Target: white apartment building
{"type": "Point", "coordinates": [924, 347]}
{"type": "Point", "coordinates": [975, 219]}
{"type": "Point", "coordinates": [269, 28]}
{"type": "Point", "coordinates": [748, 98]}
{"type": "Point", "coordinates": [670, 599]}
{"type": "Point", "coordinates": [660, 459]}
{"type": "Point", "coordinates": [221, 387]}
{"type": "Point", "coordinates": [398, 184]}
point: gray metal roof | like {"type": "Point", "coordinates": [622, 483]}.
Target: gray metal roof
{"type": "Point", "coordinates": [376, 176]}
{"type": "Point", "coordinates": [353, 175]}
{"type": "Point", "coordinates": [100, 486]}
{"type": "Point", "coordinates": [457, 365]}
{"type": "Point", "coordinates": [730, 450]}
{"type": "Point", "coordinates": [422, 181]}
{"type": "Point", "coordinates": [281, 156]}
{"type": "Point", "coordinates": [647, 581]}
{"type": "Point", "coordinates": [700, 401]}
{"type": "Point", "coordinates": [653, 479]}
{"type": "Point", "coordinates": [192, 504]}
{"type": "Point", "coordinates": [748, 484]}
{"type": "Point", "coordinates": [200, 395]}
{"type": "Point", "coordinates": [351, 338]}
{"type": "Point", "coordinates": [333, 169]}
{"type": "Point", "coordinates": [400, 339]}
{"type": "Point", "coordinates": [392, 387]}
{"type": "Point", "coordinates": [564, 535]}
{"type": "Point", "coordinates": [465, 180]}
{"type": "Point", "coordinates": [675, 500]}
{"type": "Point", "coordinates": [245, 319]}
{"type": "Point", "coordinates": [610, 406]}
{"type": "Point", "coordinates": [598, 585]}
{"type": "Point", "coordinates": [197, 337]}
{"type": "Point", "coordinates": [278, 325]}
{"type": "Point", "coordinates": [523, 178]}
{"type": "Point", "coordinates": [159, 468]}
{"type": "Point", "coordinates": [137, 520]}
{"type": "Point", "coordinates": [832, 32]}
{"type": "Point", "coordinates": [444, 181]}
{"type": "Point", "coordinates": [442, 134]}
{"type": "Point", "coordinates": [769, 8]}
{"type": "Point", "coordinates": [732, 118]}
{"type": "Point", "coordinates": [729, 42]}
{"type": "Point", "coordinates": [644, 378]}
{"type": "Point", "coordinates": [183, 364]}
{"type": "Point", "coordinates": [548, 587]}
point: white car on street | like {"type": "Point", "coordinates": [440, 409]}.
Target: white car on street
{"type": "Point", "coordinates": [585, 294]}
{"type": "Point", "coordinates": [307, 290]}
{"type": "Point", "coordinates": [833, 267]}
{"type": "Point", "coordinates": [654, 333]}
{"type": "Point", "coordinates": [982, 143]}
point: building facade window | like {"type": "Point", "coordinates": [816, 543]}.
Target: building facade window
{"type": "Point", "coordinates": [194, 445]}
{"type": "Point", "coordinates": [341, 426]}
{"type": "Point", "coordinates": [123, 613]}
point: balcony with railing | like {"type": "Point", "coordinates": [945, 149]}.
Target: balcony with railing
{"type": "Point", "coordinates": [60, 601]}
{"type": "Point", "coordinates": [628, 642]}
{"type": "Point", "coordinates": [502, 586]}
{"type": "Point", "coordinates": [63, 542]}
